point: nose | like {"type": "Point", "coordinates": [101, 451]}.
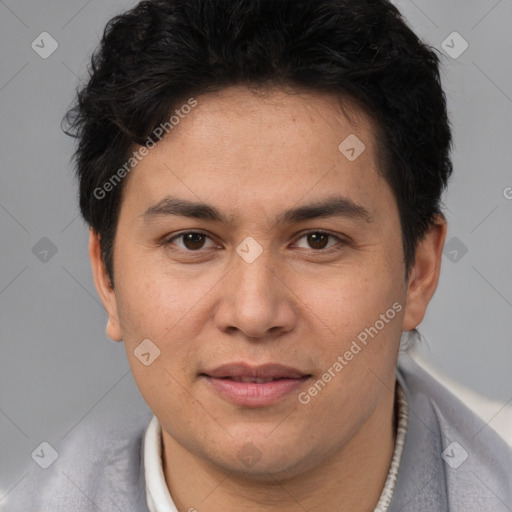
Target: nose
{"type": "Point", "coordinates": [256, 300]}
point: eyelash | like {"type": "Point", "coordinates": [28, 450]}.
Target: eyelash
{"type": "Point", "coordinates": [341, 241]}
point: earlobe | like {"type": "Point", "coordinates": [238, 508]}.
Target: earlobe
{"type": "Point", "coordinates": [104, 287]}
{"type": "Point", "coordinates": [424, 274]}
{"type": "Point", "coordinates": [113, 329]}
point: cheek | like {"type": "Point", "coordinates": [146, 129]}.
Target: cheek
{"type": "Point", "coordinates": [155, 298]}
{"type": "Point", "coordinates": [350, 300]}
{"type": "Point", "coordinates": [159, 318]}
{"type": "Point", "coordinates": [361, 314]}
{"type": "Point", "coordinates": [364, 315]}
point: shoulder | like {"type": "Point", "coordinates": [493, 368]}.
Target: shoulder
{"type": "Point", "coordinates": [469, 465]}
{"type": "Point", "coordinates": [99, 467]}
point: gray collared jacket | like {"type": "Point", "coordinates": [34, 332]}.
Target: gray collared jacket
{"type": "Point", "coordinates": [452, 461]}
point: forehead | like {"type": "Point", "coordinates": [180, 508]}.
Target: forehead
{"type": "Point", "coordinates": [252, 118]}
{"type": "Point", "coordinates": [242, 147]}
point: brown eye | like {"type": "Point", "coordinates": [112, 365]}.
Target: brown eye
{"type": "Point", "coordinates": [193, 241]}
{"type": "Point", "coordinates": [319, 240]}
{"type": "Point", "coordinates": [190, 241]}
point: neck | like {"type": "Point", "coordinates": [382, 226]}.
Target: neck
{"type": "Point", "coordinates": [351, 479]}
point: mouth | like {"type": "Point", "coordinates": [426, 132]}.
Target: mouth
{"type": "Point", "coordinates": [270, 371]}
{"type": "Point", "coordinates": [253, 380]}
{"type": "Point", "coordinates": [254, 386]}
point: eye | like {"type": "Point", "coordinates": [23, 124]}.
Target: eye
{"type": "Point", "coordinates": [194, 241]}
{"type": "Point", "coordinates": [318, 240]}
{"type": "Point", "coordinates": [191, 240]}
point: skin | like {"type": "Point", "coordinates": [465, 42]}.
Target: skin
{"type": "Point", "coordinates": [252, 156]}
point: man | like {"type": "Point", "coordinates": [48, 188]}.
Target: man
{"type": "Point", "coordinates": [262, 181]}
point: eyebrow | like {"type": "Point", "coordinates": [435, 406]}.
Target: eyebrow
{"type": "Point", "coordinates": [331, 207]}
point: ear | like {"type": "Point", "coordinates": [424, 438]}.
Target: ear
{"type": "Point", "coordinates": [104, 287]}
{"type": "Point", "coordinates": [424, 274]}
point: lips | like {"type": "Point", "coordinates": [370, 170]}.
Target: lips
{"type": "Point", "coordinates": [242, 371]}
{"type": "Point", "coordinates": [254, 386]}
{"type": "Point", "coordinates": [254, 380]}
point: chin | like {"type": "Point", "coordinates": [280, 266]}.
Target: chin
{"type": "Point", "coordinates": [263, 461]}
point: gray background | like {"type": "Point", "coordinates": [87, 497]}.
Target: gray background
{"type": "Point", "coordinates": [57, 365]}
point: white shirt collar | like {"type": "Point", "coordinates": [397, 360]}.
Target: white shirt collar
{"type": "Point", "coordinates": [158, 496]}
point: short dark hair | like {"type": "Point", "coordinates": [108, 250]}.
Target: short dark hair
{"type": "Point", "coordinates": [162, 51]}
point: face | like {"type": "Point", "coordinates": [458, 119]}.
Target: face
{"type": "Point", "coordinates": [296, 263]}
